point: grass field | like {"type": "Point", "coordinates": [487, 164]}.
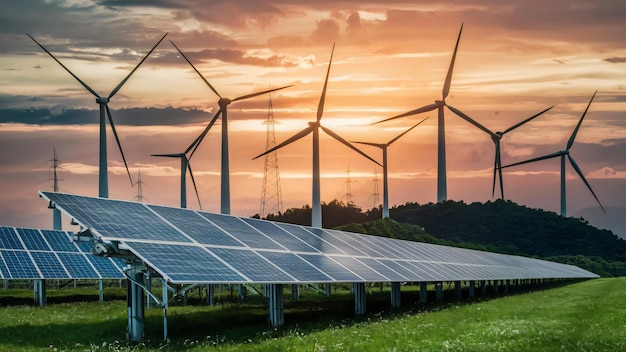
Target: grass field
{"type": "Point", "coordinates": [585, 316]}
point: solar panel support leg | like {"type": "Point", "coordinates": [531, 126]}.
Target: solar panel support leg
{"type": "Point", "coordinates": [439, 291]}
{"type": "Point", "coordinates": [472, 288]}
{"type": "Point", "coordinates": [164, 301]}
{"type": "Point", "coordinates": [423, 292]}
{"type": "Point", "coordinates": [327, 287]}
{"type": "Point", "coordinates": [6, 284]}
{"type": "Point", "coordinates": [100, 290]}
{"type": "Point", "coordinates": [277, 305]}
{"type": "Point", "coordinates": [395, 295]}
{"type": "Point", "coordinates": [136, 308]}
{"type": "Point", "coordinates": [457, 290]}
{"type": "Point", "coordinates": [210, 292]}
{"type": "Point", "coordinates": [507, 283]}
{"type": "Point", "coordinates": [295, 292]}
{"type": "Point", "coordinates": [242, 292]}
{"type": "Point", "coordinates": [39, 287]}
{"type": "Point", "coordinates": [359, 298]}
{"type": "Point", "coordinates": [495, 287]}
{"type": "Point", "coordinates": [483, 287]}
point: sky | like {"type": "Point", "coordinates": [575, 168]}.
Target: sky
{"type": "Point", "coordinates": [515, 58]}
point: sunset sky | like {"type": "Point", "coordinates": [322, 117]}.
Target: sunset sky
{"type": "Point", "coordinates": [515, 58]}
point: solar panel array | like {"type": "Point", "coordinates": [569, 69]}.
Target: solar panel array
{"type": "Point", "coordinates": [47, 254]}
{"type": "Point", "coordinates": [187, 246]}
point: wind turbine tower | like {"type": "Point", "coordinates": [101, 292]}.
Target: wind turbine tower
{"type": "Point", "coordinates": [56, 213]}
{"type": "Point", "coordinates": [271, 197]}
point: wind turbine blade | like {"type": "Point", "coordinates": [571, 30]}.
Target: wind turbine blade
{"type": "Point", "coordinates": [200, 138]}
{"type": "Point", "coordinates": [425, 108]}
{"type": "Point", "coordinates": [198, 72]}
{"type": "Point", "coordinates": [528, 119]}
{"type": "Point", "coordinates": [294, 138]}
{"type": "Point", "coordinates": [193, 180]}
{"type": "Point", "coordinates": [260, 93]}
{"type": "Point", "coordinates": [66, 69]}
{"type": "Point", "coordinates": [582, 177]}
{"type": "Point", "coordinates": [177, 155]}
{"type": "Point", "coordinates": [470, 120]}
{"type": "Point", "coordinates": [446, 85]}
{"type": "Point", "coordinates": [347, 144]}
{"type": "Point", "coordinates": [549, 156]}
{"type": "Point", "coordinates": [320, 107]}
{"type": "Point", "coordinates": [495, 170]}
{"type": "Point", "coordinates": [378, 145]}
{"type": "Point", "coordinates": [119, 86]}
{"type": "Point", "coordinates": [570, 142]}
{"type": "Point", "coordinates": [117, 139]}
{"type": "Point", "coordinates": [407, 131]}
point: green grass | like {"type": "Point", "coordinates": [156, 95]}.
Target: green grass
{"type": "Point", "coordinates": [585, 316]}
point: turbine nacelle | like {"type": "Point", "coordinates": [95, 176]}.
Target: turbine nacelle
{"type": "Point", "coordinates": [102, 100]}
{"type": "Point", "coordinates": [314, 124]}
{"type": "Point", "coordinates": [224, 102]}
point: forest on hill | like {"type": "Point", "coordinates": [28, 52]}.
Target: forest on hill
{"type": "Point", "coordinates": [498, 226]}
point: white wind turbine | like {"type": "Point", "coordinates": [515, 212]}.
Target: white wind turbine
{"type": "Point", "coordinates": [186, 165]}
{"type": "Point", "coordinates": [223, 111]}
{"type": "Point", "coordinates": [442, 192]}
{"type": "Point", "coordinates": [316, 206]}
{"type": "Point", "coordinates": [563, 154]}
{"type": "Point", "coordinates": [384, 147]}
{"type": "Point", "coordinates": [103, 102]}
{"type": "Point", "coordinates": [496, 137]}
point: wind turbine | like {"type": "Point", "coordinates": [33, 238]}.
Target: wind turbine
{"type": "Point", "coordinates": [384, 146]}
{"type": "Point", "coordinates": [223, 110]}
{"type": "Point", "coordinates": [186, 165]}
{"type": "Point", "coordinates": [316, 214]}
{"type": "Point", "coordinates": [496, 137]}
{"type": "Point", "coordinates": [103, 102]}
{"type": "Point", "coordinates": [442, 192]}
{"type": "Point", "coordinates": [563, 154]}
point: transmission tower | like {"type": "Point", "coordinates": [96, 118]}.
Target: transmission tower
{"type": "Point", "coordinates": [376, 194]}
{"type": "Point", "coordinates": [349, 196]}
{"type": "Point", "coordinates": [140, 198]}
{"type": "Point", "coordinates": [56, 213]}
{"type": "Point", "coordinates": [271, 197]}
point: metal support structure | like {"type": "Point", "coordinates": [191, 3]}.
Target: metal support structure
{"type": "Point", "coordinates": [395, 295]}
{"type": "Point", "coordinates": [6, 284]}
{"type": "Point", "coordinates": [457, 290]}
{"type": "Point", "coordinates": [439, 291]}
{"type": "Point", "coordinates": [148, 290]}
{"type": "Point", "coordinates": [39, 288]}
{"type": "Point", "coordinates": [483, 287]}
{"type": "Point", "coordinates": [472, 289]}
{"type": "Point", "coordinates": [360, 298]}
{"type": "Point", "coordinates": [101, 290]}
{"type": "Point", "coordinates": [210, 292]}
{"type": "Point", "coordinates": [277, 305]}
{"type": "Point", "coordinates": [135, 303]}
{"type": "Point", "coordinates": [423, 292]}
{"type": "Point", "coordinates": [507, 284]}
{"type": "Point", "coordinates": [241, 289]}
{"type": "Point", "coordinates": [327, 288]}
{"type": "Point", "coordinates": [295, 292]}
{"type": "Point", "coordinates": [164, 301]}
{"type": "Point", "coordinates": [495, 287]}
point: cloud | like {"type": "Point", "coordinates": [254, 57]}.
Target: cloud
{"type": "Point", "coordinates": [615, 60]}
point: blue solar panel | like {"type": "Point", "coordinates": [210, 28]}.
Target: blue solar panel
{"type": "Point", "coordinates": [331, 268]}
{"type": "Point", "coordinates": [363, 271]}
{"type": "Point", "coordinates": [20, 265]}
{"type": "Point", "coordinates": [58, 242]}
{"type": "Point", "coordinates": [296, 267]}
{"type": "Point", "coordinates": [49, 265]}
{"type": "Point", "coordinates": [226, 249]}
{"type": "Point", "coordinates": [253, 266]}
{"type": "Point", "coordinates": [3, 268]}
{"type": "Point", "coordinates": [127, 219]}
{"type": "Point", "coordinates": [185, 264]}
{"type": "Point", "coordinates": [33, 240]}
{"type": "Point", "coordinates": [196, 226]}
{"type": "Point", "coordinates": [279, 235]}
{"type": "Point", "coordinates": [308, 237]}
{"type": "Point", "coordinates": [78, 266]}
{"type": "Point", "coordinates": [242, 231]}
{"type": "Point", "coordinates": [105, 267]}
{"type": "Point", "coordinates": [8, 239]}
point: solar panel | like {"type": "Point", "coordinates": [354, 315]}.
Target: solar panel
{"type": "Point", "coordinates": [47, 254]}
{"type": "Point", "coordinates": [186, 246]}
